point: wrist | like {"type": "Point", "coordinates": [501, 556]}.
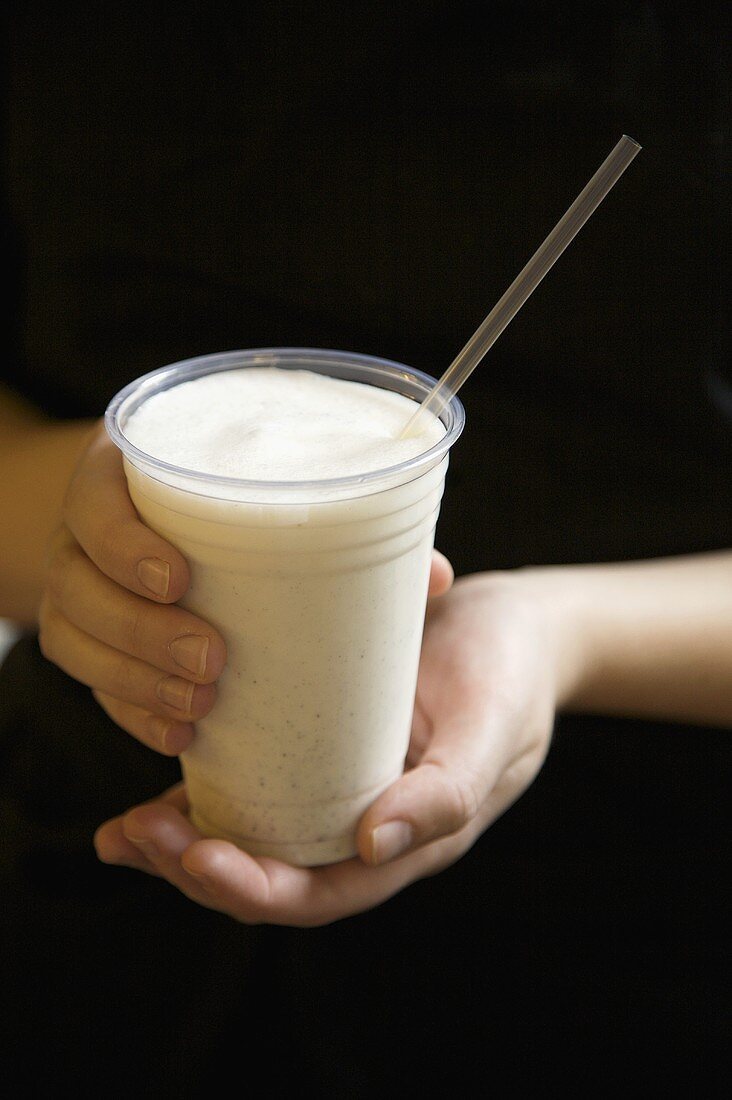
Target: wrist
{"type": "Point", "coordinates": [547, 601]}
{"type": "Point", "coordinates": [562, 606]}
{"type": "Point", "coordinates": [38, 460]}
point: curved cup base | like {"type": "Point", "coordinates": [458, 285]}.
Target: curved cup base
{"type": "Point", "coordinates": [297, 853]}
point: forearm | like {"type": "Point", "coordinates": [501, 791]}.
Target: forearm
{"type": "Point", "coordinates": [37, 457]}
{"type": "Point", "coordinates": [650, 639]}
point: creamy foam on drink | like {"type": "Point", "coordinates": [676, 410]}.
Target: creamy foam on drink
{"type": "Point", "coordinates": [265, 423]}
{"type": "Point", "coordinates": [319, 592]}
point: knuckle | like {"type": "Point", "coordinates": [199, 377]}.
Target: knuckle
{"type": "Point", "coordinates": [124, 677]}
{"type": "Point", "coordinates": [107, 541]}
{"type": "Point", "coordinates": [113, 547]}
{"type": "Point", "coordinates": [137, 630]}
{"type": "Point", "coordinates": [70, 496]}
{"type": "Point", "coordinates": [462, 801]}
{"type": "Point", "coordinates": [58, 537]}
{"type": "Point", "coordinates": [59, 569]}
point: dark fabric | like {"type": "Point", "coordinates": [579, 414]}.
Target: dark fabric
{"type": "Point", "coordinates": [179, 181]}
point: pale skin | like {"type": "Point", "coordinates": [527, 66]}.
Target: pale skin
{"type": "Point", "coordinates": [502, 653]}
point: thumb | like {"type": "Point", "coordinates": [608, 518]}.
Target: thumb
{"type": "Point", "coordinates": [441, 574]}
{"type": "Point", "coordinates": [442, 795]}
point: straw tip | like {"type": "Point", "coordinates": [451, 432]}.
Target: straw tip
{"type": "Point", "coordinates": [637, 144]}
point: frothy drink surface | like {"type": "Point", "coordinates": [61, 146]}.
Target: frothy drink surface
{"type": "Point", "coordinates": [265, 423]}
{"type": "Point", "coordinates": [320, 597]}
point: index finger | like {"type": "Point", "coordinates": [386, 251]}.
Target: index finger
{"type": "Point", "coordinates": [102, 518]}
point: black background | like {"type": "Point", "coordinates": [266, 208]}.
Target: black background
{"type": "Point", "coordinates": [182, 180]}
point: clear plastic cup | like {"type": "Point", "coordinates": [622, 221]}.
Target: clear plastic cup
{"type": "Point", "coordinates": [319, 589]}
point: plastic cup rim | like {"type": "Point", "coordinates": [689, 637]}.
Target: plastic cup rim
{"type": "Point", "coordinates": [188, 369]}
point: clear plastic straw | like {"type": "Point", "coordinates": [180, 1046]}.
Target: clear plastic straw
{"type": "Point", "coordinates": [525, 282]}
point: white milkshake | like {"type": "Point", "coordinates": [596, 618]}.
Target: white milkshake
{"type": "Point", "coordinates": [308, 527]}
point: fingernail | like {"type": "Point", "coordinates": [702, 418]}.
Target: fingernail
{"type": "Point", "coordinates": [390, 840]}
{"type": "Point", "coordinates": [202, 880]}
{"type": "Point", "coordinates": [154, 574]}
{"type": "Point", "coordinates": [190, 651]}
{"type": "Point", "coordinates": [158, 730]}
{"type": "Point", "coordinates": [146, 846]}
{"type": "Point", "coordinates": [176, 693]}
{"type": "Point", "coordinates": [171, 737]}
